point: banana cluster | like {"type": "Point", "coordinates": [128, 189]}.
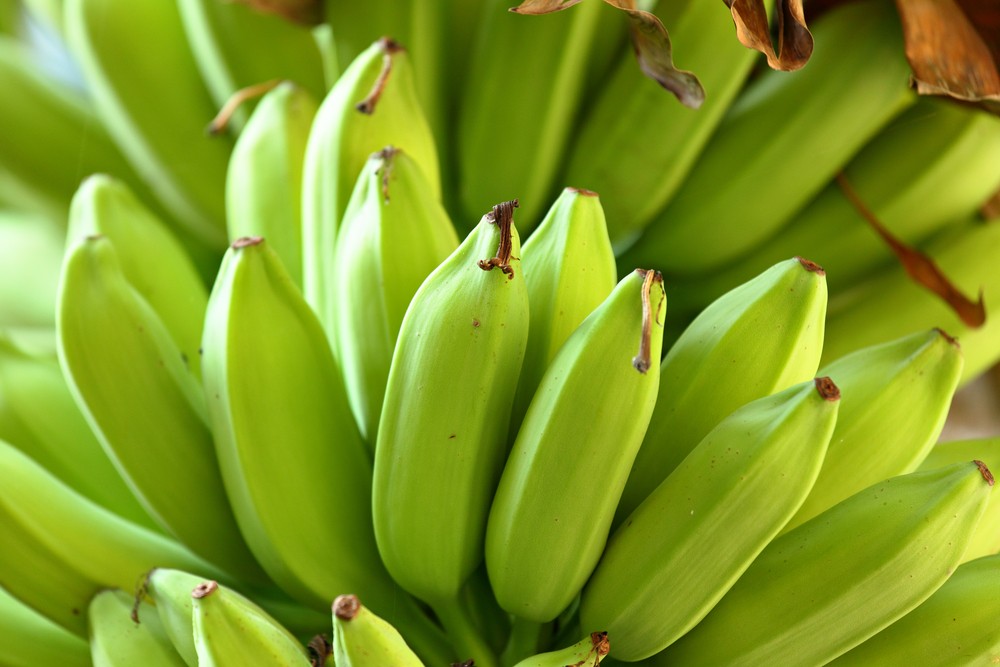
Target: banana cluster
{"type": "Point", "coordinates": [278, 399]}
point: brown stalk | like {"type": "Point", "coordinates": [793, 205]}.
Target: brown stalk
{"type": "Point", "coordinates": [642, 361]}
{"type": "Point", "coordinates": [502, 216]}
{"type": "Point", "coordinates": [221, 120]}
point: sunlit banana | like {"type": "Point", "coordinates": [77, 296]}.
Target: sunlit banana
{"type": "Point", "coordinates": [31, 250]}
{"type": "Point", "coordinates": [28, 639]}
{"type": "Point", "coordinates": [116, 640]}
{"type": "Point", "coordinates": [896, 399]}
{"type": "Point", "coordinates": [875, 556]}
{"type": "Point", "coordinates": [664, 568]}
{"type": "Point", "coordinates": [362, 639]}
{"type": "Point", "coordinates": [759, 338]}
{"type": "Point", "coordinates": [596, 391]}
{"type": "Point", "coordinates": [585, 653]}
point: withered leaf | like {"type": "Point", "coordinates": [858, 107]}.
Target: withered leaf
{"type": "Point", "coordinates": [953, 48]}
{"type": "Point", "coordinates": [650, 42]}
{"type": "Point", "coordinates": [919, 266]}
{"type": "Point", "coordinates": [303, 12]}
{"type": "Point", "coordinates": [795, 42]}
{"type": "Point", "coordinates": [991, 209]}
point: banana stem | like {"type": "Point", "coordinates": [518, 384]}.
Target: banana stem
{"type": "Point", "coordinates": [464, 635]}
{"type": "Point", "coordinates": [523, 642]}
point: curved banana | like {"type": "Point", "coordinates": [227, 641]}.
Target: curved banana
{"type": "Point", "coordinates": [587, 652]}
{"type": "Point", "coordinates": [28, 639]}
{"type": "Point", "coordinates": [569, 269]}
{"type": "Point", "coordinates": [362, 639]}
{"type": "Point", "coordinates": [116, 640]}
{"type": "Point", "coordinates": [151, 418]}
{"type": "Point", "coordinates": [896, 398]}
{"type": "Point", "coordinates": [394, 233]}
{"type": "Point", "coordinates": [854, 85]}
{"type": "Point", "coordinates": [264, 180]}
{"type": "Point", "coordinates": [596, 391]}
{"type": "Point", "coordinates": [126, 49]}
{"type": "Point", "coordinates": [60, 549]}
{"type": "Point", "coordinates": [757, 339]}
{"type": "Point", "coordinates": [373, 105]}
{"type": "Point", "coordinates": [663, 570]}
{"type": "Point", "coordinates": [876, 555]}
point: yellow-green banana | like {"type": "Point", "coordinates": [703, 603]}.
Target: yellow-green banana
{"type": "Point", "coordinates": [587, 652]}
{"type": "Point", "coordinates": [598, 390]}
{"type": "Point", "coordinates": [874, 556]}
{"type": "Point", "coordinates": [126, 50]}
{"type": "Point", "coordinates": [31, 249]}
{"type": "Point", "coordinates": [28, 639]}
{"type": "Point", "coordinates": [116, 640]}
{"type": "Point", "coordinates": [666, 566]}
{"type": "Point", "coordinates": [264, 180]}
{"type": "Point", "coordinates": [569, 269]}
{"type": "Point", "coordinates": [150, 418]}
{"type": "Point", "coordinates": [362, 639]}
{"type": "Point", "coordinates": [394, 233]}
{"type": "Point", "coordinates": [373, 105]}
{"type": "Point", "coordinates": [896, 399]}
{"type": "Point", "coordinates": [749, 180]}
{"type": "Point", "coordinates": [757, 339]}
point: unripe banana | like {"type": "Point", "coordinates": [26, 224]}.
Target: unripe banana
{"type": "Point", "coordinates": [28, 639]}
{"type": "Point", "coordinates": [896, 399]}
{"type": "Point", "coordinates": [986, 540]}
{"type": "Point", "coordinates": [395, 232]}
{"type": "Point", "coordinates": [362, 639]}
{"type": "Point", "coordinates": [151, 418]}
{"type": "Point", "coordinates": [152, 259]}
{"type": "Point", "coordinates": [464, 335]}
{"type": "Point", "coordinates": [125, 49]}
{"type": "Point", "coordinates": [569, 269]}
{"type": "Point", "coordinates": [373, 104]}
{"type": "Point", "coordinates": [315, 540]}
{"type": "Point", "coordinates": [585, 653]}
{"type": "Point", "coordinates": [875, 556]}
{"type": "Point", "coordinates": [664, 569]}
{"type": "Point", "coordinates": [955, 626]}
{"type": "Point", "coordinates": [60, 549]}
{"type": "Point", "coordinates": [854, 85]}
{"type": "Point", "coordinates": [31, 250]}
{"type": "Point", "coordinates": [170, 592]}
{"type": "Point", "coordinates": [757, 339]}
{"type": "Point", "coordinates": [543, 539]}
{"type": "Point", "coordinates": [230, 630]}
{"type": "Point", "coordinates": [264, 181]}
{"type": "Point", "coordinates": [116, 640]}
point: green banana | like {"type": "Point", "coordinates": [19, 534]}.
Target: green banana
{"type": "Point", "coordinates": [126, 49]}
{"type": "Point", "coordinates": [897, 397]}
{"type": "Point", "coordinates": [854, 85]}
{"type": "Point", "coordinates": [532, 70]}
{"type": "Point", "coordinates": [169, 590]}
{"type": "Point", "coordinates": [569, 269]}
{"type": "Point", "coordinates": [596, 391]}
{"type": "Point", "coordinates": [151, 418]}
{"type": "Point", "coordinates": [228, 42]}
{"type": "Point", "coordinates": [315, 540]}
{"type": "Point", "coordinates": [875, 556]}
{"type": "Point", "coordinates": [758, 338]}
{"type": "Point", "coordinates": [986, 540]}
{"type": "Point", "coordinates": [39, 417]}
{"type": "Point", "coordinates": [116, 640]}
{"type": "Point", "coordinates": [229, 629]}
{"type": "Point", "coordinates": [955, 626]}
{"type": "Point", "coordinates": [60, 548]}
{"type": "Point", "coordinates": [362, 639]}
{"type": "Point", "coordinates": [152, 260]}
{"type": "Point", "coordinates": [264, 180]}
{"type": "Point", "coordinates": [587, 652]}
{"type": "Point", "coordinates": [469, 323]}
{"type": "Point", "coordinates": [630, 109]}
{"type": "Point", "coordinates": [393, 235]}
{"type": "Point", "coordinates": [28, 639]}
{"type": "Point", "coordinates": [663, 570]}
{"type": "Point", "coordinates": [373, 104]}
{"type": "Point", "coordinates": [968, 256]}
{"type": "Point", "coordinates": [31, 249]}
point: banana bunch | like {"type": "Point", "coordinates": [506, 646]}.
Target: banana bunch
{"type": "Point", "coordinates": [273, 396]}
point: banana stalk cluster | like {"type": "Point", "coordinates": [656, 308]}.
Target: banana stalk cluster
{"type": "Point", "coordinates": [291, 405]}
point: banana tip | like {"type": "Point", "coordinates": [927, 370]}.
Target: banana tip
{"type": "Point", "coordinates": [600, 643]}
{"type": "Point", "coordinates": [583, 191]}
{"type": "Point", "coordinates": [984, 471]}
{"type": "Point", "coordinates": [346, 607]}
{"type": "Point", "coordinates": [204, 589]}
{"type": "Point", "coordinates": [811, 266]}
{"type": "Point", "coordinates": [246, 241]}
{"type": "Point", "coordinates": [827, 389]}
{"type": "Point", "coordinates": [944, 334]}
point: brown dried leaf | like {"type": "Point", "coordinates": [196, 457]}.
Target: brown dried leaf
{"type": "Point", "coordinates": [303, 12]}
{"type": "Point", "coordinates": [650, 42]}
{"type": "Point", "coordinates": [991, 209]}
{"type": "Point", "coordinates": [953, 48]}
{"type": "Point", "coordinates": [795, 42]}
{"type": "Point", "coordinates": [919, 266]}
